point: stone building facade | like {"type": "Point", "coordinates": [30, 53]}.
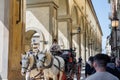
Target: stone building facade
{"type": "Point", "coordinates": [51, 19]}
{"type": "Point", "coordinates": [108, 46]}
{"type": "Point", "coordinates": [115, 34]}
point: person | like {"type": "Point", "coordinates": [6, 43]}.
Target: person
{"type": "Point", "coordinates": [118, 64]}
{"type": "Point", "coordinates": [89, 69]}
{"type": "Point", "coordinates": [80, 61]}
{"type": "Point", "coordinates": [100, 62]}
{"type": "Point", "coordinates": [55, 48]}
{"type": "Point", "coordinates": [111, 68]}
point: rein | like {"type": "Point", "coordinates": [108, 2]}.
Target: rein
{"type": "Point", "coordinates": [50, 65]}
{"type": "Point", "coordinates": [58, 67]}
{"type": "Point", "coordinates": [32, 67]}
{"type": "Point", "coordinates": [39, 74]}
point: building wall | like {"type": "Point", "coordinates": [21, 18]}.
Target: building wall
{"type": "Point", "coordinates": [4, 38]}
{"type": "Point", "coordinates": [71, 14]}
{"type": "Point", "coordinates": [115, 39]}
{"type": "Point", "coordinates": [108, 46]}
{"type": "Point", "coordinates": [51, 19]}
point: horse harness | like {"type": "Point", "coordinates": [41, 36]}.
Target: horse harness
{"type": "Point", "coordinates": [58, 67]}
{"type": "Point", "coordinates": [51, 63]}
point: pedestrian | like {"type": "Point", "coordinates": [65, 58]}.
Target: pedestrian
{"type": "Point", "coordinates": [111, 68]}
{"type": "Point", "coordinates": [80, 61]}
{"type": "Point", "coordinates": [118, 64]}
{"type": "Point", "coordinates": [89, 69]}
{"type": "Point", "coordinates": [55, 48]}
{"type": "Point", "coordinates": [78, 69]}
{"type": "Point", "coordinates": [100, 62]}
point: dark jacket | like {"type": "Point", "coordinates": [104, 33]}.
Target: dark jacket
{"type": "Point", "coordinates": [89, 70]}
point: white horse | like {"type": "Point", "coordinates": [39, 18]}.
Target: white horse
{"type": "Point", "coordinates": [52, 65]}
{"type": "Point", "coordinates": [27, 64]}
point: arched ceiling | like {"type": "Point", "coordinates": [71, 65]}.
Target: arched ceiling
{"type": "Point", "coordinates": [29, 34]}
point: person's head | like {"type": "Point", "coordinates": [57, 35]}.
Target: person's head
{"type": "Point", "coordinates": [80, 59]}
{"type": "Point", "coordinates": [90, 60]}
{"type": "Point", "coordinates": [101, 60]}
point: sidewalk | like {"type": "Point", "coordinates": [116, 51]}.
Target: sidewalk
{"type": "Point", "coordinates": [82, 74]}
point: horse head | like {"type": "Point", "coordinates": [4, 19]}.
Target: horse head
{"type": "Point", "coordinates": [27, 62]}
{"type": "Point", "coordinates": [41, 57]}
{"type": "Point", "coordinates": [24, 64]}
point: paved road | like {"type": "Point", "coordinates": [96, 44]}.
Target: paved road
{"type": "Point", "coordinates": [82, 74]}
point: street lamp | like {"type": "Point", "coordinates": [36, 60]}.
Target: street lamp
{"type": "Point", "coordinates": [115, 24]}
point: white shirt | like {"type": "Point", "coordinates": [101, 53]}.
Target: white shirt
{"type": "Point", "coordinates": [102, 76]}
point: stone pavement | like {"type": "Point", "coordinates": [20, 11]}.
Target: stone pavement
{"type": "Point", "coordinates": [82, 74]}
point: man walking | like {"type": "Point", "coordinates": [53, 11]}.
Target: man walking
{"type": "Point", "coordinates": [100, 62]}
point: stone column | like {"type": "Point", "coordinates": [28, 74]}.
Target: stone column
{"type": "Point", "coordinates": [16, 39]}
{"type": "Point", "coordinates": [53, 21]}
{"type": "Point", "coordinates": [65, 26]}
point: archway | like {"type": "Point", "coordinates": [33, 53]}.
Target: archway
{"type": "Point", "coordinates": [61, 43]}
{"type": "Point", "coordinates": [33, 38]}
{"type": "Point", "coordinates": [33, 23]}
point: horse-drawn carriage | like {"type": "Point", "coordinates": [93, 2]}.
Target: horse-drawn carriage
{"type": "Point", "coordinates": [62, 67]}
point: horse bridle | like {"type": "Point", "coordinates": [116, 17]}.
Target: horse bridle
{"type": "Point", "coordinates": [26, 67]}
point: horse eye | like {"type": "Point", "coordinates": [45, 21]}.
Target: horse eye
{"type": "Point", "coordinates": [20, 62]}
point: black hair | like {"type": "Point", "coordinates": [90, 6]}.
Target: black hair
{"type": "Point", "coordinates": [91, 59]}
{"type": "Point", "coordinates": [101, 59]}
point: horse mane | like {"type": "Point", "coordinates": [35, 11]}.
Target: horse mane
{"type": "Point", "coordinates": [48, 55]}
{"type": "Point", "coordinates": [32, 61]}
